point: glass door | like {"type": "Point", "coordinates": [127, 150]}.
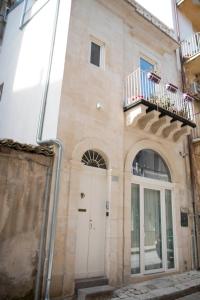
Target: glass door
{"type": "Point", "coordinates": [147, 86]}
{"type": "Point", "coordinates": [152, 237]}
{"type": "Point", "coordinates": [153, 257]}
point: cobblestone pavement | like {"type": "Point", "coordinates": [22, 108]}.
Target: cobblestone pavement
{"type": "Point", "coordinates": [169, 287]}
{"type": "Point", "coordinates": [195, 296]}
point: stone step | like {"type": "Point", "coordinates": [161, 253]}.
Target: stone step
{"type": "Point", "coordinates": [103, 292]}
{"type": "Point", "coordinates": [90, 282]}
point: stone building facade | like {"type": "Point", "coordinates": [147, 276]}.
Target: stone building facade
{"type": "Point", "coordinates": [125, 209]}
{"type": "Point", "coordinates": [93, 118]}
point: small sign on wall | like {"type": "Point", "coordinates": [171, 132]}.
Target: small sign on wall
{"type": "Point", "coordinates": [184, 218]}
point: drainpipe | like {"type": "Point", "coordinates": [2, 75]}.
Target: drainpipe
{"type": "Point", "coordinates": [58, 144]}
{"type": "Point", "coordinates": [23, 14]}
{"type": "Point", "coordinates": [193, 180]}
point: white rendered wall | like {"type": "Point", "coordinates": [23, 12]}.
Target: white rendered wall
{"type": "Point", "coordinates": [186, 29]}
{"type": "Point", "coordinates": [24, 59]}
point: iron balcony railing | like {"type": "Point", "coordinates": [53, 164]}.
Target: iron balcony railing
{"type": "Point", "coordinates": [194, 89]}
{"type": "Point", "coordinates": [191, 46]}
{"type": "Point", "coordinates": [196, 130]}
{"type": "Point", "coordinates": [139, 85]}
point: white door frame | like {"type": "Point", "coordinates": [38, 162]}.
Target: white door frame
{"type": "Point", "coordinates": [161, 186]}
{"type": "Point", "coordinates": [92, 171]}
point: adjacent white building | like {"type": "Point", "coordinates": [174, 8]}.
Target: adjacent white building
{"type": "Point", "coordinates": [25, 55]}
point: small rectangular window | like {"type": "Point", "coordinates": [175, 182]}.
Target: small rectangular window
{"type": "Point", "coordinates": [95, 54]}
{"type": "Point", "coordinates": [1, 90]}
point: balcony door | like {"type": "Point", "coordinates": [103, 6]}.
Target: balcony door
{"type": "Point", "coordinates": [145, 65]}
{"type": "Point", "coordinates": [147, 87]}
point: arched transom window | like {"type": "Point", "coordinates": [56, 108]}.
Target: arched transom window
{"type": "Point", "coordinates": [92, 158]}
{"type": "Point", "coordinates": [149, 163]}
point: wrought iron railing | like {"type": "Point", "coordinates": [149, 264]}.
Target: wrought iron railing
{"type": "Point", "coordinates": [194, 89]}
{"type": "Point", "coordinates": [191, 46]}
{"type": "Point", "coordinates": [196, 130]}
{"type": "Point", "coordinates": [138, 85]}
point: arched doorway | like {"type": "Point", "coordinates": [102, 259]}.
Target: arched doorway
{"type": "Point", "coordinates": [152, 228]}
{"type": "Point", "coordinates": [91, 225]}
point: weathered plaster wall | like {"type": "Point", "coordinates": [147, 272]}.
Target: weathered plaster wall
{"type": "Point", "coordinates": [24, 192]}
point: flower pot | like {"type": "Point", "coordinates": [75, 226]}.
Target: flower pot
{"type": "Point", "coordinates": [171, 87]}
{"type": "Point", "coordinates": [187, 97]}
{"type": "Point", "coordinates": [153, 77]}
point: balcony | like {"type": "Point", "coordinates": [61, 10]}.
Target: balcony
{"type": "Point", "coordinates": [157, 107]}
{"type": "Point", "coordinates": [190, 49]}
{"type": "Point", "coordinates": [196, 131]}
{"type": "Point", "coordinates": [194, 90]}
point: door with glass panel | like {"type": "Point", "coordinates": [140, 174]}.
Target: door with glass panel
{"type": "Point", "coordinates": [153, 256]}
{"type": "Point", "coordinates": [147, 86]}
{"type": "Point", "coordinates": [152, 247]}
{"type": "Point", "coordinates": [152, 234]}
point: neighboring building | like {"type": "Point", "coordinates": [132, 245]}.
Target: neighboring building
{"type": "Point", "coordinates": [25, 54]}
{"type": "Point", "coordinates": [188, 17]}
{"type": "Point", "coordinates": [189, 30]}
{"type": "Point", "coordinates": [115, 101]}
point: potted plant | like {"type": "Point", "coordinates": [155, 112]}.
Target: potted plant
{"type": "Point", "coordinates": [187, 97]}
{"type": "Point", "coordinates": [153, 77]}
{"type": "Point", "coordinates": [171, 87]}
{"type": "Point", "coordinates": [183, 113]}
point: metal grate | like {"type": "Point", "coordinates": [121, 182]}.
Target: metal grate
{"type": "Point", "coordinates": [92, 158]}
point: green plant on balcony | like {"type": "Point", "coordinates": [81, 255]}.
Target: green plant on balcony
{"type": "Point", "coordinates": [183, 113]}
{"type": "Point", "coordinates": [164, 102]}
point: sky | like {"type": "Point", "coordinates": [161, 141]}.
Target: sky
{"type": "Point", "coordinates": [162, 9]}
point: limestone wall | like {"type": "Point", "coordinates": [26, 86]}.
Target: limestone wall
{"type": "Point", "coordinates": [24, 193]}
{"type": "Point", "coordinates": [126, 37]}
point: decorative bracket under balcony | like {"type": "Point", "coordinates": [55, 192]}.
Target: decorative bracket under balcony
{"type": "Point", "coordinates": [158, 121]}
{"type": "Point", "coordinates": [157, 107]}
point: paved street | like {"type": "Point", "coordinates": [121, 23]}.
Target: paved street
{"type": "Point", "coordinates": [167, 287]}
{"type": "Point", "coordinates": [194, 296]}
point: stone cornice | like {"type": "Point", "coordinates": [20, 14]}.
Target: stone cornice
{"type": "Point", "coordinates": [151, 18]}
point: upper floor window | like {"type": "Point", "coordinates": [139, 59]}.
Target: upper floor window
{"type": "Point", "coordinates": [97, 53]}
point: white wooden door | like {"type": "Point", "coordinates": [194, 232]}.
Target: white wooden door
{"type": "Point", "coordinates": [90, 241]}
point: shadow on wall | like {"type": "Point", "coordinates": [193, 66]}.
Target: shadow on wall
{"type": "Point", "coordinates": [24, 192]}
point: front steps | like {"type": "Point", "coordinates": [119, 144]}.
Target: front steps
{"type": "Point", "coordinates": [92, 288]}
{"type": "Point", "coordinates": [103, 292]}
